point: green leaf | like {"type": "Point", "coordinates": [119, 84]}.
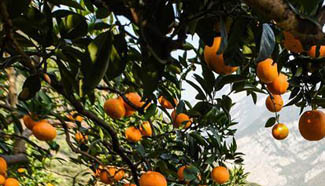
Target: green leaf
{"type": "Point", "coordinates": [116, 65]}
{"type": "Point", "coordinates": [201, 94]}
{"type": "Point", "coordinates": [31, 86]}
{"type": "Point", "coordinates": [223, 80]}
{"type": "Point", "coordinates": [270, 122]}
{"type": "Point", "coordinates": [16, 7]}
{"type": "Point", "coordinates": [267, 43]}
{"type": "Point", "coordinates": [89, 5]}
{"type": "Point", "coordinates": [102, 13]}
{"type": "Point", "coordinates": [69, 3]}
{"type": "Point", "coordinates": [99, 51]}
{"type": "Point", "coordinates": [205, 30]}
{"type": "Point", "coordinates": [199, 138]}
{"type": "Point", "coordinates": [74, 26]}
{"type": "Point", "coordinates": [150, 111]}
{"type": "Point", "coordinates": [190, 173]}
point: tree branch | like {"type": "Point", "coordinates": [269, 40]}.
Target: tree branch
{"type": "Point", "coordinates": [307, 31]}
{"type": "Point", "coordinates": [15, 159]}
{"type": "Point", "coordinates": [73, 148]}
{"type": "Point", "coordinates": [26, 60]}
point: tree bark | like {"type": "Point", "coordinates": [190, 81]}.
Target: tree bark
{"type": "Point", "coordinates": [308, 32]}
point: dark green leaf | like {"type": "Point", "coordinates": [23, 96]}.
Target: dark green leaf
{"type": "Point", "coordinates": [267, 43]}
{"type": "Point", "coordinates": [270, 122]}
{"type": "Point", "coordinates": [69, 3]}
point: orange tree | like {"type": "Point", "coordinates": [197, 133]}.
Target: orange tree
{"type": "Point", "coordinates": [101, 73]}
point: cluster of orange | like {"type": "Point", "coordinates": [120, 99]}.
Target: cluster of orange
{"type": "Point", "coordinates": [180, 119]}
{"type": "Point", "coordinates": [311, 123]}
{"type": "Point", "coordinates": [277, 84]}
{"type": "Point", "coordinates": [109, 175]}
{"type": "Point", "coordinates": [117, 108]}
{"type": "Point", "coordinates": [3, 173]}
{"type": "Point", "coordinates": [219, 174]}
{"type": "Point", "coordinates": [41, 129]}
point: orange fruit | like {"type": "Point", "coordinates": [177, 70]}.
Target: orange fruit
{"type": "Point", "coordinates": [180, 173]}
{"type": "Point", "coordinates": [145, 129]}
{"type": "Point", "coordinates": [29, 122]}
{"type": "Point", "coordinates": [114, 108]}
{"type": "Point", "coordinates": [3, 166]}
{"type": "Point", "coordinates": [21, 170]}
{"type": "Point", "coordinates": [80, 138]}
{"type": "Point", "coordinates": [165, 103]}
{"type": "Point", "coordinates": [152, 178]}
{"type": "Point", "coordinates": [274, 104]}
{"type": "Point", "coordinates": [11, 182]}
{"type": "Point", "coordinates": [312, 125]}
{"type": "Point", "coordinates": [135, 99]}
{"type": "Point", "coordinates": [129, 113]}
{"type": "Point", "coordinates": [180, 119]}
{"type": "Point", "coordinates": [214, 61]}
{"type": "Point", "coordinates": [279, 85]}
{"type": "Point", "coordinates": [74, 116]}
{"type": "Point", "coordinates": [312, 51]}
{"type": "Point", "coordinates": [267, 71]}
{"type": "Point", "coordinates": [280, 131]}
{"type": "Point", "coordinates": [133, 134]}
{"type": "Point", "coordinates": [291, 43]}
{"type": "Point", "coordinates": [119, 175]}
{"type": "Point", "coordinates": [106, 177]}
{"type": "Point", "coordinates": [220, 174]}
{"type": "Point", "coordinates": [2, 179]}
{"type": "Point", "coordinates": [110, 174]}
{"type": "Point", "coordinates": [129, 184]}
{"type": "Point", "coordinates": [44, 131]}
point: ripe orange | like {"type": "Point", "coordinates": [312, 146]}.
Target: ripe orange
{"type": "Point", "coordinates": [180, 119]}
{"type": "Point", "coordinates": [165, 103]}
{"type": "Point", "coordinates": [11, 182]}
{"type": "Point", "coordinates": [220, 174]}
{"type": "Point", "coordinates": [134, 98]}
{"type": "Point", "coordinates": [275, 104]}
{"type": "Point", "coordinates": [291, 43]}
{"type": "Point", "coordinates": [312, 51]}
{"type": "Point", "coordinates": [29, 122]}
{"type": "Point", "coordinates": [114, 108]}
{"type": "Point", "coordinates": [279, 85]}
{"type": "Point", "coordinates": [80, 138]}
{"type": "Point", "coordinates": [152, 178]}
{"type": "Point", "coordinates": [21, 170]}
{"type": "Point", "coordinates": [280, 131]}
{"type": "Point", "coordinates": [105, 177]}
{"type": "Point", "coordinates": [3, 166]}
{"type": "Point", "coordinates": [312, 125]}
{"type": "Point", "coordinates": [44, 131]}
{"type": "Point", "coordinates": [74, 116]}
{"type": "Point", "coordinates": [214, 61]}
{"type": "Point", "coordinates": [145, 129]}
{"type": "Point", "coordinates": [267, 70]}
{"type": "Point", "coordinates": [129, 184]}
{"type": "Point", "coordinates": [133, 134]}
{"type": "Point", "coordinates": [119, 175]}
{"type": "Point", "coordinates": [2, 179]}
{"type": "Point", "coordinates": [180, 173]}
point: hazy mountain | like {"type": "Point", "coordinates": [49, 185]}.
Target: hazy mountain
{"type": "Point", "coordinates": [291, 162]}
